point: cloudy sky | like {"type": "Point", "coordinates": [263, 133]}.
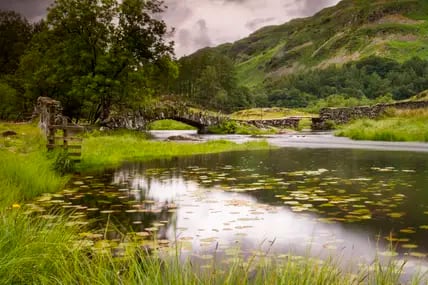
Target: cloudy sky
{"type": "Point", "coordinates": [201, 23]}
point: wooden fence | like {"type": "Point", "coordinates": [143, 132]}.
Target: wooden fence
{"type": "Point", "coordinates": [64, 137]}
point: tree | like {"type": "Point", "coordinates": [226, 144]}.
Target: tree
{"type": "Point", "coordinates": [15, 34]}
{"type": "Point", "coordinates": [208, 79]}
{"type": "Point", "coordinates": [97, 54]}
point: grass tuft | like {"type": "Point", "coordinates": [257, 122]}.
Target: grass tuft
{"type": "Point", "coordinates": [397, 125]}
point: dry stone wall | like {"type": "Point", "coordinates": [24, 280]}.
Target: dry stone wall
{"type": "Point", "coordinates": [330, 116]}
{"type": "Point", "coordinates": [292, 123]}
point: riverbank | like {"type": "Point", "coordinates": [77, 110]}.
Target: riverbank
{"type": "Point", "coordinates": [45, 249]}
{"type": "Point", "coordinates": [109, 150]}
{"type": "Point", "coordinates": [396, 125]}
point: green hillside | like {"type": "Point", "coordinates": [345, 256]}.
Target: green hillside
{"type": "Point", "coordinates": [352, 30]}
{"type": "Point", "coordinates": [366, 49]}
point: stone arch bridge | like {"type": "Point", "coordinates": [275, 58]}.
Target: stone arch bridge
{"type": "Point", "coordinates": [51, 113]}
{"type": "Point", "coordinates": [202, 120]}
{"type": "Point", "coordinates": [141, 119]}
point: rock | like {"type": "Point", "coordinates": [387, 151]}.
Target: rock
{"type": "Point", "coordinates": [182, 138]}
{"type": "Point", "coordinates": [8, 133]}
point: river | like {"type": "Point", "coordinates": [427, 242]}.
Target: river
{"type": "Point", "coordinates": [315, 194]}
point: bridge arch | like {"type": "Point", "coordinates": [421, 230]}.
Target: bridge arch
{"type": "Point", "coordinates": [141, 119]}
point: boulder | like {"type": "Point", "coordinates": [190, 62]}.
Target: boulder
{"type": "Point", "coordinates": [182, 138]}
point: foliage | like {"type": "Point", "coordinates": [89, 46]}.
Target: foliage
{"type": "Point", "coordinates": [397, 125]}
{"type": "Point", "coordinates": [15, 34]}
{"type": "Point", "coordinates": [367, 81]}
{"type": "Point", "coordinates": [8, 101]}
{"type": "Point", "coordinates": [62, 162]}
{"type": "Point", "coordinates": [229, 127]}
{"type": "Point", "coordinates": [95, 55]}
{"type": "Point", "coordinates": [209, 79]}
{"type": "Point", "coordinates": [344, 101]}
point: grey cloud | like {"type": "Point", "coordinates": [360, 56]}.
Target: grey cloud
{"type": "Point", "coordinates": [200, 23]}
{"type": "Point", "coordinates": [184, 38]}
{"type": "Point", "coordinates": [259, 22]}
{"type": "Point", "coordinates": [202, 34]}
{"type": "Point", "coordinates": [33, 10]}
{"type": "Point", "coordinates": [177, 11]}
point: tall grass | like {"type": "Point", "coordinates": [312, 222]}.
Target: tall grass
{"type": "Point", "coordinates": [25, 176]}
{"type": "Point", "coordinates": [31, 247]}
{"type": "Point", "coordinates": [397, 125]}
{"type": "Point", "coordinates": [38, 256]}
{"type": "Point", "coordinates": [26, 170]}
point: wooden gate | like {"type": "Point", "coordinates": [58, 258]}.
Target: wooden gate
{"type": "Point", "coordinates": [65, 137]}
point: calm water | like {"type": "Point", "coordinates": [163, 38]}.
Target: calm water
{"type": "Point", "coordinates": [350, 203]}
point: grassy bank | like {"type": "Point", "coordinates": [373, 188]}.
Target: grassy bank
{"type": "Point", "coordinates": [44, 249]}
{"type": "Point", "coordinates": [396, 125]}
{"type": "Point", "coordinates": [26, 169]}
{"type": "Point", "coordinates": [107, 150]}
{"type": "Point", "coordinates": [169, 125]}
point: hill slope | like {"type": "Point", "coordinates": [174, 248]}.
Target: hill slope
{"type": "Point", "coordinates": [351, 30]}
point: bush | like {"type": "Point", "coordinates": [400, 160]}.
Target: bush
{"type": "Point", "coordinates": [229, 127]}
{"type": "Point", "coordinates": [8, 102]}
{"type": "Point", "coordinates": [62, 163]}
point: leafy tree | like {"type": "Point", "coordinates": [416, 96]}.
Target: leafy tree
{"type": "Point", "coordinates": [208, 79]}
{"type": "Point", "coordinates": [15, 34]}
{"type": "Point", "coordinates": [97, 54]}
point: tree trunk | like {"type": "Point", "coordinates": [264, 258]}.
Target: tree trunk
{"type": "Point", "coordinates": [105, 111]}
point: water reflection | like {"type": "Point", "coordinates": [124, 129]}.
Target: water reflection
{"type": "Point", "coordinates": [207, 218]}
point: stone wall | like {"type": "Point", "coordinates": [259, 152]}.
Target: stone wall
{"type": "Point", "coordinates": [291, 123]}
{"type": "Point", "coordinates": [330, 116]}
{"type": "Point", "coordinates": [50, 112]}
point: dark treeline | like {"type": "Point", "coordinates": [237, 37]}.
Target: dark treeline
{"type": "Point", "coordinates": [94, 56]}
{"type": "Point", "coordinates": [16, 34]}
{"type": "Point", "coordinates": [370, 79]}
{"type": "Point", "coordinates": [208, 79]}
